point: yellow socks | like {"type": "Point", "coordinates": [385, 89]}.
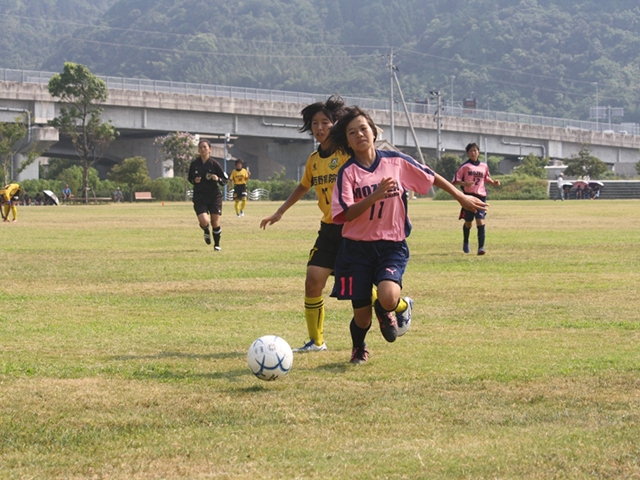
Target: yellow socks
{"type": "Point", "coordinates": [314, 314]}
{"type": "Point", "coordinates": [401, 307]}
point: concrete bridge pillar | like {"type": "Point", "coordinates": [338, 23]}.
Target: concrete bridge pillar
{"type": "Point", "coordinates": [38, 141]}
{"type": "Point", "coordinates": [128, 147]}
{"type": "Point", "coordinates": [31, 171]}
{"type": "Point", "coordinates": [267, 156]}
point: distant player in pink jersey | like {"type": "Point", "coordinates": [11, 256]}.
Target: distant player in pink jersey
{"type": "Point", "coordinates": [472, 175]}
{"type": "Point", "coordinates": [370, 199]}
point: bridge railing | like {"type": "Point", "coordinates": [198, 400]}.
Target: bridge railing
{"type": "Point", "coordinates": [183, 88]}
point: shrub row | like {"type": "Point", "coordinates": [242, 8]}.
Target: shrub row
{"type": "Point", "coordinates": [512, 187]}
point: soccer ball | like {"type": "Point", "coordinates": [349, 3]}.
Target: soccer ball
{"type": "Point", "coordinates": [270, 357]}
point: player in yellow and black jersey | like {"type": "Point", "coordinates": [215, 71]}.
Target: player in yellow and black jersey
{"type": "Point", "coordinates": [239, 178]}
{"type": "Point", "coordinates": [320, 173]}
{"type": "Point", "coordinates": [10, 197]}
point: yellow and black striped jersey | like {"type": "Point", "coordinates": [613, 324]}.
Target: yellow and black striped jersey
{"type": "Point", "coordinates": [321, 173]}
{"type": "Point", "coordinates": [9, 191]}
{"type": "Point", "coordinates": [239, 177]}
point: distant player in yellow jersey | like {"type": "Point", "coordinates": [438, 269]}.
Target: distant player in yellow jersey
{"type": "Point", "coordinates": [320, 173]}
{"type": "Point", "coordinates": [10, 199]}
{"type": "Point", "coordinates": [239, 178]}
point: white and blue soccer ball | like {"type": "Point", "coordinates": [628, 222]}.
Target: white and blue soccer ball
{"type": "Point", "coordinates": [270, 357]}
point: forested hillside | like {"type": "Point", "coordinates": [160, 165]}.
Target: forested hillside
{"type": "Point", "coordinates": [30, 30]}
{"type": "Point", "coordinates": [541, 57]}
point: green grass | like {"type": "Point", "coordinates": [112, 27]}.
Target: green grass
{"type": "Point", "coordinates": [123, 341]}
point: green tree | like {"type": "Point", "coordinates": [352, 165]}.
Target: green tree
{"type": "Point", "coordinates": [532, 166]}
{"type": "Point", "coordinates": [132, 171]}
{"type": "Point", "coordinates": [11, 136]}
{"type": "Point", "coordinates": [72, 176]}
{"type": "Point", "coordinates": [448, 165]}
{"type": "Point", "coordinates": [494, 165]}
{"type": "Point", "coordinates": [56, 166]}
{"type": "Point", "coordinates": [180, 148]}
{"type": "Point", "coordinates": [584, 164]}
{"type": "Point", "coordinates": [81, 93]}
{"type": "Point", "coordinates": [638, 168]}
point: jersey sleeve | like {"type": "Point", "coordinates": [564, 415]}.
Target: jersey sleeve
{"type": "Point", "coordinates": [459, 176]}
{"type": "Point", "coordinates": [307, 178]}
{"type": "Point", "coordinates": [342, 198]}
{"type": "Point", "coordinates": [487, 175]}
{"type": "Point", "coordinates": [415, 176]}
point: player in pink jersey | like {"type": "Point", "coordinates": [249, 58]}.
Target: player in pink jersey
{"type": "Point", "coordinates": [370, 199]}
{"type": "Point", "coordinates": [472, 175]}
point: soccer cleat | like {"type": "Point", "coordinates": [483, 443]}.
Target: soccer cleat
{"type": "Point", "coordinates": [217, 248]}
{"type": "Point", "coordinates": [388, 322]}
{"type": "Point", "coordinates": [207, 237]}
{"type": "Point", "coordinates": [238, 215]}
{"type": "Point", "coordinates": [359, 355]}
{"type": "Point", "coordinates": [481, 251]}
{"type": "Point", "coordinates": [465, 248]}
{"type": "Point", "coordinates": [404, 318]}
{"type": "Point", "coordinates": [311, 347]}
{"type": "Point", "coordinates": [242, 213]}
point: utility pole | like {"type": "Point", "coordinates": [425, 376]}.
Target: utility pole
{"type": "Point", "coordinates": [227, 137]}
{"type": "Point", "coordinates": [438, 96]}
{"type": "Point", "coordinates": [597, 108]}
{"type": "Point", "coordinates": [394, 79]}
{"type": "Point", "coordinates": [392, 69]}
{"type": "Point", "coordinates": [406, 112]}
{"type": "Point", "coordinates": [453, 77]}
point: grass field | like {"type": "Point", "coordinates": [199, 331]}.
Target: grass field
{"type": "Point", "coordinates": [123, 341]}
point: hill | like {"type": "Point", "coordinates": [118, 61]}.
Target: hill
{"type": "Point", "coordinates": [30, 31]}
{"type": "Point", "coordinates": [539, 57]}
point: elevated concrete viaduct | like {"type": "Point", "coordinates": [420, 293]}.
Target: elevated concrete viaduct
{"type": "Point", "coordinates": [265, 132]}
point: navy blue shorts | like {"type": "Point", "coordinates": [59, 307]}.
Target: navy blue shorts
{"type": "Point", "coordinates": [360, 265]}
{"type": "Point", "coordinates": [468, 215]}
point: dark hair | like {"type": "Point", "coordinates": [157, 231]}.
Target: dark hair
{"type": "Point", "coordinates": [470, 146]}
{"type": "Point", "coordinates": [205, 141]}
{"type": "Point", "coordinates": [239, 160]}
{"type": "Point", "coordinates": [333, 108]}
{"type": "Point", "coordinates": [338, 134]}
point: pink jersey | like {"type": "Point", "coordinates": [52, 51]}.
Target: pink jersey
{"type": "Point", "coordinates": [387, 219]}
{"type": "Point", "coordinates": [477, 173]}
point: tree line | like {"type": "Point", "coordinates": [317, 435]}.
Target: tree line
{"type": "Point", "coordinates": [541, 57]}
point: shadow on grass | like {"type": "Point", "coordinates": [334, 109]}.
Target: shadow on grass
{"type": "Point", "coordinates": [195, 356]}
{"type": "Point", "coordinates": [164, 372]}
{"type": "Point", "coordinates": [335, 367]}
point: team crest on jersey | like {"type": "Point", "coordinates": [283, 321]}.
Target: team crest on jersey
{"type": "Point", "coordinates": [334, 163]}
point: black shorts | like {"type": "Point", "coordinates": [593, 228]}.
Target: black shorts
{"type": "Point", "coordinates": [239, 191]}
{"type": "Point", "coordinates": [324, 251]}
{"type": "Point", "coordinates": [212, 206]}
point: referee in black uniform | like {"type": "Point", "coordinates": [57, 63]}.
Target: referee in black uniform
{"type": "Point", "coordinates": [206, 176]}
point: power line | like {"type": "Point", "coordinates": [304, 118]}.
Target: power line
{"type": "Point", "coordinates": [219, 54]}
